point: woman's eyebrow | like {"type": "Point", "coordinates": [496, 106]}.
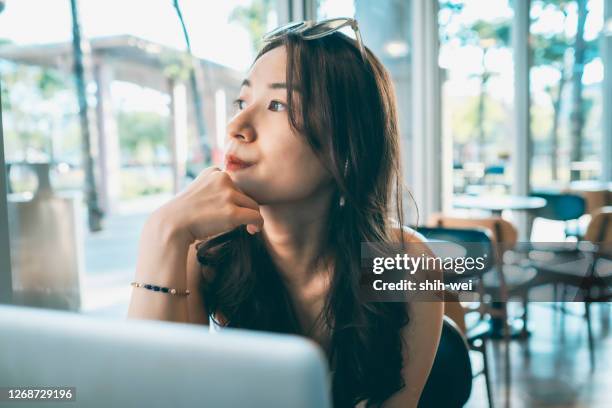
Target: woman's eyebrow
{"type": "Point", "coordinates": [277, 85]}
{"type": "Point", "coordinates": [273, 85]}
{"type": "Point", "coordinates": [283, 85]}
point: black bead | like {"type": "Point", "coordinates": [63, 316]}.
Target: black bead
{"type": "Point", "coordinates": [147, 286]}
{"type": "Point", "coordinates": [165, 290]}
{"type": "Point", "coordinates": [156, 288]}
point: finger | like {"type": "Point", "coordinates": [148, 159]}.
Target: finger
{"type": "Point", "coordinates": [246, 216]}
{"type": "Point", "coordinates": [209, 170]}
{"type": "Point", "coordinates": [243, 200]}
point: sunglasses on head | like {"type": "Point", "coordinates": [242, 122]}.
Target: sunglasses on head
{"type": "Point", "coordinates": [311, 30]}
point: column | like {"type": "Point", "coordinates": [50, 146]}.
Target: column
{"type": "Point", "coordinates": [521, 153]}
{"type": "Point", "coordinates": [298, 9]}
{"type": "Point", "coordinates": [6, 280]}
{"type": "Point", "coordinates": [178, 132]}
{"type": "Point", "coordinates": [426, 160]}
{"type": "Point", "coordinates": [108, 140]}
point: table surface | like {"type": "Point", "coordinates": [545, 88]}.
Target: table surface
{"type": "Point", "coordinates": [590, 186]}
{"type": "Point", "coordinates": [578, 186]}
{"type": "Point", "coordinates": [499, 202]}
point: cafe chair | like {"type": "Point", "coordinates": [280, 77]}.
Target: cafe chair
{"type": "Point", "coordinates": [494, 177]}
{"type": "Point", "coordinates": [590, 270]}
{"type": "Point", "coordinates": [450, 380]}
{"type": "Point", "coordinates": [595, 199]}
{"type": "Point", "coordinates": [505, 281]}
{"type": "Point", "coordinates": [476, 242]}
{"type": "Point", "coordinates": [562, 206]}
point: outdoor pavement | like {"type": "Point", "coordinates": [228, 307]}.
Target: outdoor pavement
{"type": "Point", "coordinates": [110, 258]}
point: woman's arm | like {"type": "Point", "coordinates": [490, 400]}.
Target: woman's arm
{"type": "Point", "coordinates": [421, 337]}
{"type": "Point", "coordinates": [162, 261]}
{"type": "Point", "coordinates": [210, 205]}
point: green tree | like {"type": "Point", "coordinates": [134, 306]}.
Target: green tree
{"type": "Point", "coordinates": [554, 50]}
{"type": "Point", "coordinates": [254, 18]}
{"type": "Point", "coordinates": [550, 49]}
{"type": "Point", "coordinates": [26, 96]}
{"type": "Point", "coordinates": [142, 131]}
{"type": "Point", "coordinates": [578, 114]}
{"type": "Point", "coordinates": [488, 36]}
{"type": "Point", "coordinates": [193, 83]}
{"type": "Point", "coordinates": [94, 212]}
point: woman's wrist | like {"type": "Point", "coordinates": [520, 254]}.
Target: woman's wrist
{"type": "Point", "coordinates": [168, 229]}
{"type": "Point", "coordinates": [163, 253]}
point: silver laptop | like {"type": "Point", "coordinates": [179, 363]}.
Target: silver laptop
{"type": "Point", "coordinates": [110, 363]}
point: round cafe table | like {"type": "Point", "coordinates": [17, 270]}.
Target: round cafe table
{"type": "Point", "coordinates": [498, 203]}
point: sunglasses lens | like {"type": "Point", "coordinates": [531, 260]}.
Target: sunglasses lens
{"type": "Point", "coordinates": [324, 27]}
{"type": "Point", "coordinates": [280, 31]}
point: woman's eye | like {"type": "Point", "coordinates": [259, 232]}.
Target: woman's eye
{"type": "Point", "coordinates": [277, 106]}
{"type": "Point", "coordinates": [239, 104]}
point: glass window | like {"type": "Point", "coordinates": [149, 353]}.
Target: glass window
{"type": "Point", "coordinates": [152, 124]}
{"type": "Point", "coordinates": [477, 91]}
{"type": "Point", "coordinates": [566, 91]}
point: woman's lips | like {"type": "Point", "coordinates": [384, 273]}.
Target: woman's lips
{"type": "Point", "coordinates": [233, 163]}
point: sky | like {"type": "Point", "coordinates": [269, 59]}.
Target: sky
{"type": "Point", "coordinates": [215, 39]}
{"type": "Point", "coordinates": [42, 21]}
{"type": "Point", "coordinates": [212, 36]}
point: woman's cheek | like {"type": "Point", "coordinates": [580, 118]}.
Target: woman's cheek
{"type": "Point", "coordinates": [288, 170]}
{"type": "Point", "coordinates": [278, 184]}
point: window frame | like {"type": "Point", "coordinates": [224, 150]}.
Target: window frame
{"type": "Point", "coordinates": [6, 279]}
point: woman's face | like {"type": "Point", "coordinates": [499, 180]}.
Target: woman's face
{"type": "Point", "coordinates": [266, 159]}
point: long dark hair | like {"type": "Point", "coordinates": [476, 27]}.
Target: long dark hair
{"type": "Point", "coordinates": [347, 113]}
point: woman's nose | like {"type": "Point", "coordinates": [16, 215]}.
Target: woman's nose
{"type": "Point", "coordinates": [241, 131]}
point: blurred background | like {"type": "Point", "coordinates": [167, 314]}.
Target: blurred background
{"type": "Point", "coordinates": [109, 108]}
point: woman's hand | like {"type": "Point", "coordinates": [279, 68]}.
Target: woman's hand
{"type": "Point", "coordinates": [210, 205]}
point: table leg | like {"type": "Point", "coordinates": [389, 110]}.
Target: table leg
{"type": "Point", "coordinates": [497, 325]}
{"type": "Point", "coordinates": [530, 219]}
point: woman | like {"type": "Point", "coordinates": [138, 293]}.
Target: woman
{"type": "Point", "coordinates": [273, 241]}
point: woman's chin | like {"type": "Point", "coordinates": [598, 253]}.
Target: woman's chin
{"type": "Point", "coordinates": [239, 177]}
{"type": "Point", "coordinates": [248, 185]}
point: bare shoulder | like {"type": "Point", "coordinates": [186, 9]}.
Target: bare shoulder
{"type": "Point", "coordinates": [422, 334]}
{"type": "Point", "coordinates": [413, 241]}
{"type": "Point", "coordinates": [416, 245]}
{"type": "Point", "coordinates": [409, 234]}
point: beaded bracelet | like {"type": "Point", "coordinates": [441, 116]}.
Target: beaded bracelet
{"type": "Point", "coordinates": [162, 289]}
